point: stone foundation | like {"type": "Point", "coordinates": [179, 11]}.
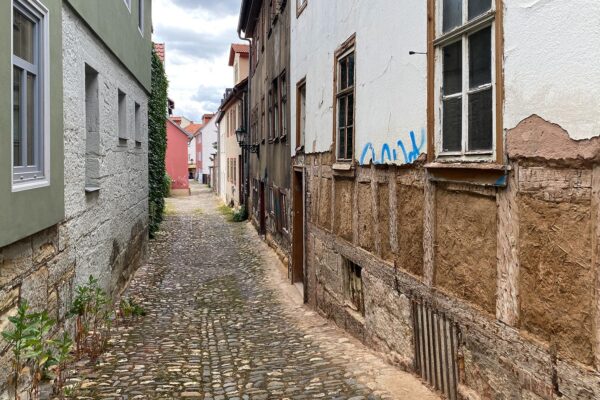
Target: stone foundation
{"type": "Point", "coordinates": [515, 266]}
{"type": "Point", "coordinates": [104, 233]}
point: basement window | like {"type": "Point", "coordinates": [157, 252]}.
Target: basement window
{"type": "Point", "coordinates": [353, 287]}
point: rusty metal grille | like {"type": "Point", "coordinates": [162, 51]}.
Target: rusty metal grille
{"type": "Point", "coordinates": [436, 343]}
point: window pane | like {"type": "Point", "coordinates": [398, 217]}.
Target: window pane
{"type": "Point", "coordinates": [23, 29]}
{"type": "Point", "coordinates": [343, 74]}
{"type": "Point", "coordinates": [349, 141]}
{"type": "Point", "coordinates": [31, 139]}
{"type": "Point", "coordinates": [453, 68]}
{"type": "Point", "coordinates": [351, 70]}
{"type": "Point", "coordinates": [480, 58]}
{"type": "Point", "coordinates": [478, 7]}
{"type": "Point", "coordinates": [341, 142]}
{"type": "Point", "coordinates": [17, 160]}
{"type": "Point", "coordinates": [452, 126]}
{"type": "Point", "coordinates": [350, 119]}
{"type": "Point", "coordinates": [342, 112]}
{"type": "Point", "coordinates": [452, 14]}
{"type": "Point", "coordinates": [480, 121]}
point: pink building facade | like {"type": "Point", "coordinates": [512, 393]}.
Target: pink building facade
{"type": "Point", "coordinates": [176, 160]}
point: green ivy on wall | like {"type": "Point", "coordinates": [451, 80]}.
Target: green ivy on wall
{"type": "Point", "coordinates": [157, 143]}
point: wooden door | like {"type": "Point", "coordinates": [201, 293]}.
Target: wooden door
{"type": "Point", "coordinates": [298, 228]}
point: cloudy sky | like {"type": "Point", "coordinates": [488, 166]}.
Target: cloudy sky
{"type": "Point", "coordinates": [197, 34]}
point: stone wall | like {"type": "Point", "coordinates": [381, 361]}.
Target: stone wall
{"type": "Point", "coordinates": [104, 233]}
{"type": "Point", "coordinates": [107, 228]}
{"type": "Point", "coordinates": [516, 267]}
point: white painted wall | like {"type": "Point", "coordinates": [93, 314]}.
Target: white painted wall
{"type": "Point", "coordinates": [192, 151]}
{"type": "Point", "coordinates": [209, 134]}
{"type": "Point", "coordinates": [390, 83]}
{"type": "Point", "coordinates": [552, 63]}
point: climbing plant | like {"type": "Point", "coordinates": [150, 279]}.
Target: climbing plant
{"type": "Point", "coordinates": [157, 143]}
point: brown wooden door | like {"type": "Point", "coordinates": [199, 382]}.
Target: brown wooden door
{"type": "Point", "coordinates": [298, 229]}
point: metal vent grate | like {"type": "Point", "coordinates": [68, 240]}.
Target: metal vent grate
{"type": "Point", "coordinates": [436, 343]}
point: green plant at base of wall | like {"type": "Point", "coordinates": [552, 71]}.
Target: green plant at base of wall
{"type": "Point", "coordinates": [157, 144]}
{"type": "Point", "coordinates": [240, 215]}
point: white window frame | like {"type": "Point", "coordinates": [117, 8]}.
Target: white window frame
{"type": "Point", "coordinates": [461, 33]}
{"type": "Point", "coordinates": [141, 10]}
{"type": "Point", "coordinates": [40, 177]}
{"type": "Point", "coordinates": [128, 5]}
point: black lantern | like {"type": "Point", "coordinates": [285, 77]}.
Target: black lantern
{"type": "Point", "coordinates": [240, 134]}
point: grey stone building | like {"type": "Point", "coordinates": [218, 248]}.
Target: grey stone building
{"type": "Point", "coordinates": [73, 184]}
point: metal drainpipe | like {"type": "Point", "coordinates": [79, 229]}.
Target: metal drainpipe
{"type": "Point", "coordinates": [246, 151]}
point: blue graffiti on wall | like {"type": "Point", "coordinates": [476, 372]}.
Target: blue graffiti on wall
{"type": "Point", "coordinates": [410, 152]}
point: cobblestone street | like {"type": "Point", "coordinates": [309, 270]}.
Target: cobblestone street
{"type": "Point", "coordinates": [222, 323]}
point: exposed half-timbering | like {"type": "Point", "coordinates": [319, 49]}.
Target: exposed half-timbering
{"type": "Point", "coordinates": [431, 159]}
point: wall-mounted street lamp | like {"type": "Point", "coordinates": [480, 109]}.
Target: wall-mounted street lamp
{"type": "Point", "coordinates": [241, 136]}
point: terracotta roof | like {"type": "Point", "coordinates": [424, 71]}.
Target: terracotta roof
{"type": "Point", "coordinates": [180, 129]}
{"type": "Point", "coordinates": [193, 128]}
{"type": "Point", "coordinates": [160, 51]}
{"type": "Point", "coordinates": [243, 49]}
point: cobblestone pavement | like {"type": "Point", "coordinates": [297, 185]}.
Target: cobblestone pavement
{"type": "Point", "coordinates": [222, 323]}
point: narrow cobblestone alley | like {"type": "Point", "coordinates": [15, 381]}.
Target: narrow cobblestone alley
{"type": "Point", "coordinates": [222, 323]}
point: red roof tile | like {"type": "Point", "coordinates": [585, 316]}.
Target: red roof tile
{"type": "Point", "coordinates": [160, 51]}
{"type": "Point", "coordinates": [243, 49]}
{"type": "Point", "coordinates": [193, 128]}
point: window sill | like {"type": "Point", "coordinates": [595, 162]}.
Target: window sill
{"type": "Point", "coordinates": [29, 185]}
{"type": "Point", "coordinates": [92, 189]}
{"type": "Point", "coordinates": [483, 174]}
{"type": "Point", "coordinates": [343, 169]}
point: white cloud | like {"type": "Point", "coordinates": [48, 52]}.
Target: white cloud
{"type": "Point", "coordinates": [197, 41]}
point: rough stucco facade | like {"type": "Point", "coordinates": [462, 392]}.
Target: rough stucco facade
{"type": "Point", "coordinates": [267, 23]}
{"type": "Point", "coordinates": [507, 254]}
{"type": "Point", "coordinates": [104, 230]}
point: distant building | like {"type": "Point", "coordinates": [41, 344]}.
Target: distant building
{"type": "Point", "coordinates": [195, 141]}
{"type": "Point", "coordinates": [231, 118]}
{"type": "Point", "coordinates": [176, 159]}
{"type": "Point", "coordinates": [204, 147]}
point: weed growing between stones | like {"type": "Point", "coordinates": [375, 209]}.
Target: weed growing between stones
{"type": "Point", "coordinates": [240, 215]}
{"type": "Point", "coordinates": [129, 309]}
{"type": "Point", "coordinates": [93, 318]}
{"type": "Point", "coordinates": [35, 355]}
{"type": "Point", "coordinates": [38, 358]}
{"type": "Point", "coordinates": [233, 215]}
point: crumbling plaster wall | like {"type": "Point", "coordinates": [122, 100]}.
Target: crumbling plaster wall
{"type": "Point", "coordinates": [548, 69]}
{"type": "Point", "coordinates": [515, 267]}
